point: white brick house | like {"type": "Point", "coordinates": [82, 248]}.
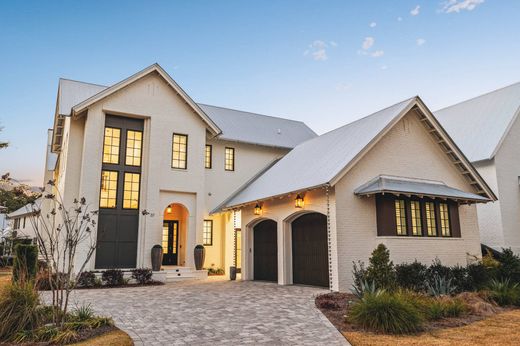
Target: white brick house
{"type": "Point", "coordinates": [228, 179]}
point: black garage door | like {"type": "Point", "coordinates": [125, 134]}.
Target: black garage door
{"type": "Point", "coordinates": [265, 251]}
{"type": "Point", "coordinates": [309, 250]}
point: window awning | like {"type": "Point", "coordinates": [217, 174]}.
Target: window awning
{"type": "Point", "coordinates": [416, 187]}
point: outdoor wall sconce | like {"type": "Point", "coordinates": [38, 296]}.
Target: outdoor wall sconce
{"type": "Point", "coordinates": [169, 209]}
{"type": "Point", "coordinates": [298, 202]}
{"type": "Point", "coordinates": [257, 210]}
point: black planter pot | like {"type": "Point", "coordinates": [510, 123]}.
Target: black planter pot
{"type": "Point", "coordinates": [232, 273]}
{"type": "Point", "coordinates": [157, 257]}
{"type": "Point", "coordinates": [199, 254]}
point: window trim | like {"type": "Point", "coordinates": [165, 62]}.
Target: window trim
{"type": "Point", "coordinates": [449, 222]}
{"type": "Point", "coordinates": [119, 152]}
{"type": "Point", "coordinates": [406, 217]}
{"type": "Point", "coordinates": [204, 230]}
{"type": "Point", "coordinates": [117, 188]}
{"type": "Point", "coordinates": [173, 143]}
{"type": "Point", "coordinates": [138, 192]}
{"type": "Point", "coordinates": [225, 159]}
{"type": "Point", "coordinates": [210, 156]}
{"type": "Point", "coordinates": [141, 150]}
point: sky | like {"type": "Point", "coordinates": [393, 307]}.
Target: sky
{"type": "Point", "coordinates": [326, 63]}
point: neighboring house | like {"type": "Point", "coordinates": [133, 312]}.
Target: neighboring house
{"type": "Point", "coordinates": [165, 170]}
{"type": "Point", "coordinates": [394, 177]}
{"type": "Point", "coordinates": [487, 129]}
{"type": "Point", "coordinates": [143, 145]}
{"type": "Point", "coordinates": [20, 221]}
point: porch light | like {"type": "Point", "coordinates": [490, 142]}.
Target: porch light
{"type": "Point", "coordinates": [298, 202]}
{"type": "Point", "coordinates": [257, 210]}
{"type": "Point", "coordinates": [169, 209]}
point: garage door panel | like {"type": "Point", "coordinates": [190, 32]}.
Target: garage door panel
{"type": "Point", "coordinates": [265, 251]}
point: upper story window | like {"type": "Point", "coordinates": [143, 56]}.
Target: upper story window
{"type": "Point", "coordinates": [207, 235]}
{"type": "Point", "coordinates": [108, 195]}
{"type": "Point", "coordinates": [134, 143]}
{"type": "Point", "coordinates": [131, 191]}
{"type": "Point", "coordinates": [208, 156]}
{"type": "Point", "coordinates": [415, 215]}
{"type": "Point", "coordinates": [400, 216]}
{"type": "Point", "coordinates": [431, 224]}
{"type": "Point", "coordinates": [179, 151]}
{"type": "Point", "coordinates": [444, 216]}
{"type": "Point", "coordinates": [111, 145]}
{"type": "Point", "coordinates": [229, 163]}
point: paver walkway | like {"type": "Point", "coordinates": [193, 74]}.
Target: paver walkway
{"type": "Point", "coordinates": [216, 313]}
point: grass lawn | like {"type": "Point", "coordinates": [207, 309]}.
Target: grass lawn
{"type": "Point", "coordinates": [501, 329]}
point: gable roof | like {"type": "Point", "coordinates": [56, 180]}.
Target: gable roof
{"type": "Point", "coordinates": [325, 159]}
{"type": "Point", "coordinates": [235, 125]}
{"type": "Point", "coordinates": [480, 124]}
{"type": "Point", "coordinates": [25, 210]}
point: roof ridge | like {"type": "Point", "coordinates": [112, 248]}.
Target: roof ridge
{"type": "Point", "coordinates": [79, 81]}
{"type": "Point", "coordinates": [478, 96]}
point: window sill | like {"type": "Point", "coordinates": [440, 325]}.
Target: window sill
{"type": "Point", "coordinates": [403, 237]}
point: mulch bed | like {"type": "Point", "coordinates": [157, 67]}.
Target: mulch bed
{"type": "Point", "coordinates": [83, 335]}
{"type": "Point", "coordinates": [153, 283]}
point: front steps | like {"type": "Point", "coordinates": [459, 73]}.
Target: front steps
{"type": "Point", "coordinates": [173, 274]}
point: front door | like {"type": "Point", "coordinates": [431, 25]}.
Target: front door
{"type": "Point", "coordinates": [170, 242]}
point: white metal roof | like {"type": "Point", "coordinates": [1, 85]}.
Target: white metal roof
{"type": "Point", "coordinates": [26, 209]}
{"type": "Point", "coordinates": [479, 125]}
{"type": "Point", "coordinates": [414, 186]}
{"type": "Point", "coordinates": [236, 125]}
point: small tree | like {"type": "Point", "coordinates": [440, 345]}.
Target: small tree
{"type": "Point", "coordinates": [380, 269]}
{"type": "Point", "coordinates": [60, 231]}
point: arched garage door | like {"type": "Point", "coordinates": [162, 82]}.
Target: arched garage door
{"type": "Point", "coordinates": [265, 251]}
{"type": "Point", "coordinates": [309, 250]}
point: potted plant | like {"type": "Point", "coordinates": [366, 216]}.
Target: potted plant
{"type": "Point", "coordinates": [157, 257]}
{"type": "Point", "coordinates": [199, 253]}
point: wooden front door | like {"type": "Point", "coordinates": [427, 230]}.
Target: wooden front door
{"type": "Point", "coordinates": [265, 251]}
{"type": "Point", "coordinates": [170, 242]}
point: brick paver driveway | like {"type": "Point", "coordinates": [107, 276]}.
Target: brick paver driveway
{"type": "Point", "coordinates": [215, 312]}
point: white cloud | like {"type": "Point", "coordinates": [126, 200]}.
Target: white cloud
{"type": "Point", "coordinates": [415, 11]}
{"type": "Point", "coordinates": [318, 50]}
{"type": "Point", "coordinates": [368, 42]}
{"type": "Point", "coordinates": [399, 19]}
{"type": "Point", "coordinates": [451, 6]}
{"type": "Point", "coordinates": [377, 54]}
{"type": "Point", "coordinates": [420, 41]}
{"type": "Point", "coordinates": [373, 24]}
{"type": "Point", "coordinates": [333, 43]}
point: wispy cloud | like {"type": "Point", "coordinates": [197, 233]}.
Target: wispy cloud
{"type": "Point", "coordinates": [368, 42]}
{"type": "Point", "coordinates": [415, 11]}
{"type": "Point", "coordinates": [455, 6]}
{"type": "Point", "coordinates": [372, 25]}
{"type": "Point", "coordinates": [333, 43]}
{"type": "Point", "coordinates": [377, 54]}
{"type": "Point", "coordinates": [420, 41]}
{"type": "Point", "coordinates": [317, 50]}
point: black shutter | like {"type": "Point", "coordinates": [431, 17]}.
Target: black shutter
{"type": "Point", "coordinates": [386, 225]}
{"type": "Point", "coordinates": [454, 220]}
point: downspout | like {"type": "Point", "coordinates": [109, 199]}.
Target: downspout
{"type": "Point", "coordinates": [329, 237]}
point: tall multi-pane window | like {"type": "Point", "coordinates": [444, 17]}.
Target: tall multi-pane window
{"type": "Point", "coordinates": [431, 225]}
{"type": "Point", "coordinates": [207, 232]}
{"type": "Point", "coordinates": [131, 191]}
{"type": "Point", "coordinates": [207, 156]}
{"type": "Point", "coordinates": [400, 216]}
{"type": "Point", "coordinates": [179, 151]}
{"type": "Point", "coordinates": [108, 195]}
{"type": "Point", "coordinates": [229, 163]}
{"type": "Point", "coordinates": [134, 142]}
{"type": "Point", "coordinates": [111, 145]}
{"type": "Point", "coordinates": [415, 211]}
{"type": "Point", "coordinates": [444, 220]}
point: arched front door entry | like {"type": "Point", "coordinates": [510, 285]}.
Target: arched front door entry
{"type": "Point", "coordinates": [309, 250]}
{"type": "Point", "coordinates": [175, 223]}
{"type": "Point", "coordinates": [265, 251]}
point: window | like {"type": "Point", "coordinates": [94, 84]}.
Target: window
{"type": "Point", "coordinates": [111, 145]}
{"type": "Point", "coordinates": [24, 222]}
{"type": "Point", "coordinates": [179, 151]}
{"type": "Point", "coordinates": [445, 220]}
{"type": "Point", "coordinates": [207, 234]}
{"type": "Point", "coordinates": [400, 217]}
{"type": "Point", "coordinates": [165, 235]}
{"type": "Point", "coordinates": [207, 157]}
{"type": "Point", "coordinates": [134, 141]}
{"type": "Point", "coordinates": [431, 224]}
{"type": "Point", "coordinates": [131, 191]}
{"type": "Point", "coordinates": [229, 163]}
{"type": "Point", "coordinates": [16, 223]}
{"type": "Point", "coordinates": [415, 211]}
{"type": "Point", "coordinates": [108, 195]}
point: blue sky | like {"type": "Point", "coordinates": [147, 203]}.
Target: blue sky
{"type": "Point", "coordinates": [324, 62]}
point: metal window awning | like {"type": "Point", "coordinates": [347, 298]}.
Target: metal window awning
{"type": "Point", "coordinates": [416, 187]}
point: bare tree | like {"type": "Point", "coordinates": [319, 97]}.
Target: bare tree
{"type": "Point", "coordinates": [61, 231]}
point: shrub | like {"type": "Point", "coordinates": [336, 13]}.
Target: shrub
{"type": "Point", "coordinates": [359, 274]}
{"type": "Point", "coordinates": [411, 275]}
{"type": "Point", "coordinates": [439, 286]}
{"type": "Point", "coordinates": [380, 269]}
{"type": "Point", "coordinates": [386, 313]}
{"type": "Point", "coordinates": [479, 276]}
{"type": "Point", "coordinates": [87, 279]}
{"type": "Point", "coordinates": [143, 276]}
{"type": "Point", "coordinates": [504, 292]}
{"type": "Point", "coordinates": [6, 261]}
{"type": "Point", "coordinates": [437, 269]}
{"type": "Point", "coordinates": [113, 277]}
{"type": "Point", "coordinates": [25, 262]}
{"type": "Point", "coordinates": [454, 307]}
{"type": "Point", "coordinates": [83, 313]}
{"type": "Point", "coordinates": [509, 266]}
{"type": "Point", "coordinates": [365, 287]}
{"type": "Point", "coordinates": [19, 309]}
{"type": "Point", "coordinates": [43, 283]}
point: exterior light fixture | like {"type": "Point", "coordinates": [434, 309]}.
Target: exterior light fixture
{"type": "Point", "coordinates": [169, 209]}
{"type": "Point", "coordinates": [257, 210]}
{"type": "Point", "coordinates": [298, 202]}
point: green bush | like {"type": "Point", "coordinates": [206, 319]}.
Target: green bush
{"type": "Point", "coordinates": [113, 277]}
{"type": "Point", "coordinates": [142, 276]}
{"type": "Point", "coordinates": [380, 270]}
{"type": "Point", "coordinates": [411, 275]}
{"type": "Point", "coordinates": [479, 276]}
{"type": "Point", "coordinates": [25, 263]}
{"type": "Point", "coordinates": [87, 279]}
{"type": "Point", "coordinates": [504, 292]}
{"type": "Point", "coordinates": [19, 309]}
{"type": "Point", "coordinates": [440, 286]}
{"type": "Point", "coordinates": [509, 266]}
{"type": "Point", "coordinates": [387, 313]}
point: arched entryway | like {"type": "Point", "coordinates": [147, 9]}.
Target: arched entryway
{"type": "Point", "coordinates": [265, 251]}
{"type": "Point", "coordinates": [174, 231]}
{"type": "Point", "coordinates": [310, 265]}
